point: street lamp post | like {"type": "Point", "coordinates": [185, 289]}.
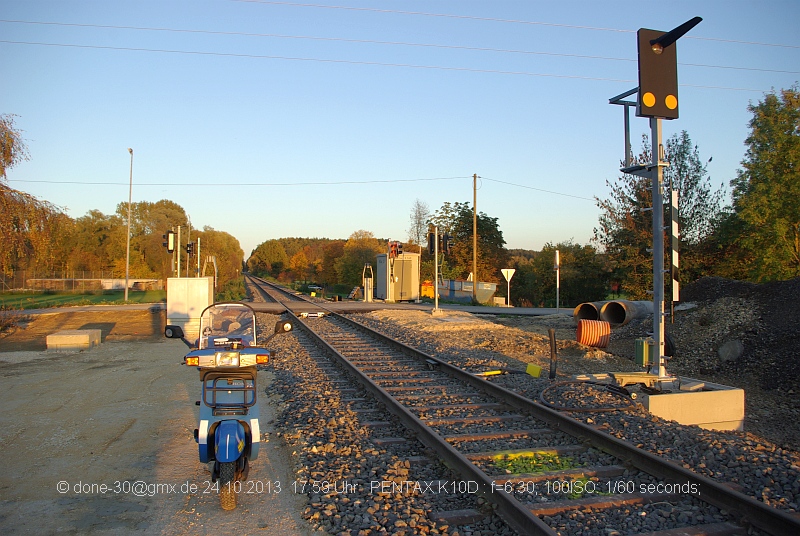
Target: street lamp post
{"type": "Point", "coordinates": [128, 245]}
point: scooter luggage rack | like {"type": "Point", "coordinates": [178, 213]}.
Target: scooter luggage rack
{"type": "Point", "coordinates": [247, 391]}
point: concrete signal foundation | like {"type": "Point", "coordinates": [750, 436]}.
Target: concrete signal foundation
{"type": "Point", "coordinates": [711, 406]}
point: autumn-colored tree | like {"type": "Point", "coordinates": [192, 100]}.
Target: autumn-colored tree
{"type": "Point", "coordinates": [12, 147]}
{"type": "Point", "coordinates": [331, 252]}
{"type": "Point", "coordinates": [362, 247]}
{"type": "Point", "coordinates": [225, 248]}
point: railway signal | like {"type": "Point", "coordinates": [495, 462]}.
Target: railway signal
{"type": "Point", "coordinates": [657, 99]}
{"type": "Point", "coordinates": [190, 249]}
{"type": "Point", "coordinates": [169, 241]}
{"type": "Point", "coordinates": [446, 238]}
{"type": "Point", "coordinates": [658, 71]}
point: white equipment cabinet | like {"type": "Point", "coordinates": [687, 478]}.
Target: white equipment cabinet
{"type": "Point", "coordinates": [397, 279]}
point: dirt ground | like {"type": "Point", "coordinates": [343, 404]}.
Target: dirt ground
{"type": "Point", "coordinates": [121, 415]}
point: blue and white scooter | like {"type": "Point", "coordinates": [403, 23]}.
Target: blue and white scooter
{"type": "Point", "coordinates": [227, 356]}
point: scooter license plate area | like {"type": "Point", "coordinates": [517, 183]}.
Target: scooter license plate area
{"type": "Point", "coordinates": [229, 395]}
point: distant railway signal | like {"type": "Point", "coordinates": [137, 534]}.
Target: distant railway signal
{"type": "Point", "coordinates": [190, 249]}
{"type": "Point", "coordinates": [169, 241]}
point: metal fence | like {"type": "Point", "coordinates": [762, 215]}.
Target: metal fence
{"type": "Point", "coordinates": [73, 281]}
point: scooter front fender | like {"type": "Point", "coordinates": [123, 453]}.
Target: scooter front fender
{"type": "Point", "coordinates": [229, 441]}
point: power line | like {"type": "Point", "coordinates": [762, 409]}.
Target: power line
{"type": "Point", "coordinates": [361, 62]}
{"type": "Point", "coordinates": [537, 189]}
{"type": "Point", "coordinates": [307, 183]}
{"type": "Point", "coordinates": [378, 42]}
{"type": "Point", "coordinates": [329, 60]}
{"type": "Point", "coordinates": [493, 19]}
{"type": "Point", "coordinates": [244, 184]}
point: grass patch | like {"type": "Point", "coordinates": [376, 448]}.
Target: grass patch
{"type": "Point", "coordinates": [43, 300]}
{"type": "Point", "coordinates": [534, 463]}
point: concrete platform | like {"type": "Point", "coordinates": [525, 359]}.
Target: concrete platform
{"type": "Point", "coordinates": [70, 340]}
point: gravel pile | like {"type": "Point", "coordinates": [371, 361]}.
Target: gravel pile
{"type": "Point", "coordinates": [738, 334]}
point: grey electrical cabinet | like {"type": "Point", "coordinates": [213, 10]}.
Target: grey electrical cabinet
{"type": "Point", "coordinates": [397, 279]}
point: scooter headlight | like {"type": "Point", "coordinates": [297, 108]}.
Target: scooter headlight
{"type": "Point", "coordinates": [227, 359]}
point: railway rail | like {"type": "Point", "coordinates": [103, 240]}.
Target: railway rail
{"type": "Point", "coordinates": [480, 430]}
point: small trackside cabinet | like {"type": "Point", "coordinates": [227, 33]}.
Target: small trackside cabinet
{"type": "Point", "coordinates": [643, 351]}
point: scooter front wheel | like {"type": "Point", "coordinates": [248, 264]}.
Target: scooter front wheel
{"type": "Point", "coordinates": [227, 485]}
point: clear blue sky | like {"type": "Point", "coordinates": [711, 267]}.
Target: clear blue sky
{"type": "Point", "coordinates": [342, 118]}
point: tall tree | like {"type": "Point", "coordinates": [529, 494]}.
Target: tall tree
{"type": "Point", "coordinates": [418, 229]}
{"type": "Point", "coordinates": [700, 206]}
{"type": "Point", "coordinates": [625, 228]}
{"type": "Point", "coordinates": [456, 220]}
{"type": "Point", "coordinates": [331, 251]}
{"type": "Point", "coordinates": [767, 188]}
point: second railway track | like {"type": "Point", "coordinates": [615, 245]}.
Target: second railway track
{"type": "Point", "coordinates": [492, 437]}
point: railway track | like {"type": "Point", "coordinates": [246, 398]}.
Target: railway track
{"type": "Point", "coordinates": [544, 472]}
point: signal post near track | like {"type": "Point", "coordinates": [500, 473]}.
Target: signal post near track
{"type": "Point", "coordinates": [657, 99]}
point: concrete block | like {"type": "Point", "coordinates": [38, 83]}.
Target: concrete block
{"type": "Point", "coordinates": [708, 405]}
{"type": "Point", "coordinates": [70, 340]}
{"type": "Point", "coordinates": [705, 404]}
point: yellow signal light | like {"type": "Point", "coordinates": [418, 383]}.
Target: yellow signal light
{"type": "Point", "coordinates": [193, 361]}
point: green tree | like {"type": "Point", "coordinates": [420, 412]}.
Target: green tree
{"type": "Point", "coordinates": [700, 207]}
{"type": "Point", "coordinates": [582, 278]}
{"type": "Point", "coordinates": [767, 188]}
{"type": "Point", "coordinates": [626, 223]}
{"type": "Point", "coordinates": [34, 233]}
{"type": "Point", "coordinates": [331, 252]}
{"type": "Point", "coordinates": [269, 258]}
{"type": "Point", "coordinates": [456, 219]}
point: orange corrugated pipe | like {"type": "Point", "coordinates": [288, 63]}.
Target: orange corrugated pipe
{"type": "Point", "coordinates": [593, 333]}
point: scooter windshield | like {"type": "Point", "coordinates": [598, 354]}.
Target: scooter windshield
{"type": "Point", "coordinates": [224, 324]}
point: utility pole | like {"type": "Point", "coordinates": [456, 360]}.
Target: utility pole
{"type": "Point", "coordinates": [475, 237]}
{"type": "Point", "coordinates": [128, 240]}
